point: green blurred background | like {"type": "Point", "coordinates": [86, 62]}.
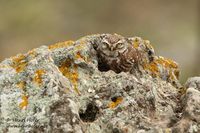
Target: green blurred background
{"type": "Point", "coordinates": [170, 25]}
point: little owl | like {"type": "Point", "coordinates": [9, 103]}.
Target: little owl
{"type": "Point", "coordinates": [115, 53]}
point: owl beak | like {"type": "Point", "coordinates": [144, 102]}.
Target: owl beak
{"type": "Point", "coordinates": [111, 48]}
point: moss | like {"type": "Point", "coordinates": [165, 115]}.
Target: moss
{"type": "Point", "coordinates": [61, 45]}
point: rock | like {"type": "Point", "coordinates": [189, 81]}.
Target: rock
{"type": "Point", "coordinates": [191, 104]}
{"type": "Point", "coordinates": [190, 119]}
{"type": "Point", "coordinates": [59, 88]}
{"type": "Point", "coordinates": [193, 82]}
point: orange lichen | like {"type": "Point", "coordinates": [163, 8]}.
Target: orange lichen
{"type": "Point", "coordinates": [153, 68]}
{"type": "Point", "coordinates": [163, 65]}
{"type": "Point", "coordinates": [23, 104]}
{"type": "Point", "coordinates": [74, 78]}
{"type": "Point", "coordinates": [19, 63]}
{"type": "Point", "coordinates": [115, 103]}
{"type": "Point", "coordinates": [38, 76]}
{"type": "Point", "coordinates": [61, 45]}
{"type": "Point", "coordinates": [21, 85]}
{"type": "Point", "coordinates": [166, 62]}
{"type": "Point", "coordinates": [32, 53]}
{"type": "Point", "coordinates": [79, 56]}
{"type": "Point", "coordinates": [171, 66]}
{"type": "Point", "coordinates": [70, 73]}
{"type": "Point", "coordinates": [78, 47]}
{"type": "Point", "coordinates": [80, 44]}
{"type": "Point", "coordinates": [18, 58]}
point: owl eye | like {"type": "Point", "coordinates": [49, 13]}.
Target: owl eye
{"type": "Point", "coordinates": [120, 45]}
{"type": "Point", "coordinates": [104, 45]}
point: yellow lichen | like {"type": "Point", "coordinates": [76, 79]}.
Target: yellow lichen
{"type": "Point", "coordinates": [19, 63]}
{"type": "Point", "coordinates": [166, 62]}
{"type": "Point", "coordinates": [70, 73]}
{"type": "Point", "coordinates": [115, 103]}
{"type": "Point", "coordinates": [79, 56]}
{"type": "Point", "coordinates": [23, 104]}
{"type": "Point", "coordinates": [160, 65]}
{"type": "Point", "coordinates": [32, 53]}
{"type": "Point", "coordinates": [171, 66]}
{"type": "Point", "coordinates": [80, 44]}
{"type": "Point", "coordinates": [21, 85]}
{"type": "Point", "coordinates": [74, 78]}
{"type": "Point", "coordinates": [38, 76]}
{"type": "Point", "coordinates": [61, 45]}
{"type": "Point", "coordinates": [78, 47]}
{"type": "Point", "coordinates": [153, 68]}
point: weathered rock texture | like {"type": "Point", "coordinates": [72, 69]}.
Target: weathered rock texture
{"type": "Point", "coordinates": [60, 88]}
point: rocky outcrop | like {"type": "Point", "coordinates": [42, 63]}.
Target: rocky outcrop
{"type": "Point", "coordinates": [60, 88]}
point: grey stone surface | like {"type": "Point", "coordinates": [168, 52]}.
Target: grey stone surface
{"type": "Point", "coordinates": [193, 82]}
{"type": "Point", "coordinates": [59, 88]}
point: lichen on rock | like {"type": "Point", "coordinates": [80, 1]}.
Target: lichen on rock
{"type": "Point", "coordinates": [62, 88]}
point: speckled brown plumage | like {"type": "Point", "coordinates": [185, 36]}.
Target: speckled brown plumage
{"type": "Point", "coordinates": [116, 53]}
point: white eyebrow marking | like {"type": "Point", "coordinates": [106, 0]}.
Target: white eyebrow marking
{"type": "Point", "coordinates": [106, 41]}
{"type": "Point", "coordinates": [120, 41]}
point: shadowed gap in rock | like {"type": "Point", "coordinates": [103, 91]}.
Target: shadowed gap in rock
{"type": "Point", "coordinates": [90, 114]}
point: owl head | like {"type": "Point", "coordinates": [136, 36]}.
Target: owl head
{"type": "Point", "coordinates": [112, 45]}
